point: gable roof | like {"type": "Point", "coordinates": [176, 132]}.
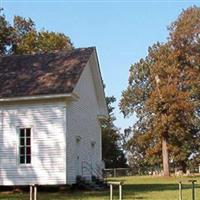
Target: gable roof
{"type": "Point", "coordinates": [42, 74]}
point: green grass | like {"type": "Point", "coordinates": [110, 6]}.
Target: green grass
{"type": "Point", "coordinates": [137, 187]}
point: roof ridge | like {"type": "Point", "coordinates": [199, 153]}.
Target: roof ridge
{"type": "Point", "coordinates": [45, 53]}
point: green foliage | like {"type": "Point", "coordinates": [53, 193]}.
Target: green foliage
{"type": "Point", "coordinates": [6, 35]}
{"type": "Point", "coordinates": [23, 26]}
{"type": "Point", "coordinates": [112, 152]}
{"type": "Point", "coordinates": [44, 41]}
{"type": "Point", "coordinates": [23, 38]}
{"type": "Point", "coordinates": [164, 93]}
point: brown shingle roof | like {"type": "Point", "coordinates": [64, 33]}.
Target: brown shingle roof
{"type": "Point", "coordinates": [41, 74]}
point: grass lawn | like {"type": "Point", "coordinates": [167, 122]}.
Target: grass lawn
{"type": "Point", "coordinates": [137, 187]}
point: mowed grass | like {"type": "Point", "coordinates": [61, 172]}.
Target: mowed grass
{"type": "Point", "coordinates": [137, 187]}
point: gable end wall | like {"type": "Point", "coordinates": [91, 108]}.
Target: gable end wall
{"type": "Point", "coordinates": [82, 122]}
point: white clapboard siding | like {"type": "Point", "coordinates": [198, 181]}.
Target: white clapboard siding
{"type": "Point", "coordinates": [82, 122]}
{"type": "Point", "coordinates": [47, 121]}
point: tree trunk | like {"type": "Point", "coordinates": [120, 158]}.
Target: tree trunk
{"type": "Point", "coordinates": [165, 156]}
{"type": "Point", "coordinates": [183, 167]}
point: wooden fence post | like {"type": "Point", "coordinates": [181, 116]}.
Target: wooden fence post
{"type": "Point", "coordinates": [111, 192]}
{"type": "Point", "coordinates": [35, 192]}
{"type": "Point", "coordinates": [115, 172]}
{"type": "Point", "coordinates": [120, 191]}
{"type": "Point", "coordinates": [31, 192]}
{"type": "Point", "coordinates": [180, 190]}
{"type": "Point", "coordinates": [193, 188]}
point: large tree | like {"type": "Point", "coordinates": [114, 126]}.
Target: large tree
{"type": "Point", "coordinates": [112, 151]}
{"type": "Point", "coordinates": [23, 38]}
{"type": "Point", "coordinates": [164, 92]}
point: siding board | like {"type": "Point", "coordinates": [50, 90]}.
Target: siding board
{"type": "Point", "coordinates": [48, 144]}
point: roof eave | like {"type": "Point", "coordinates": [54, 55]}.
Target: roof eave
{"type": "Point", "coordinates": [72, 96]}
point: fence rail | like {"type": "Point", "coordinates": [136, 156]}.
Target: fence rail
{"type": "Point", "coordinates": [114, 172]}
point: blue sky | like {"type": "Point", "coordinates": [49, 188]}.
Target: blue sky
{"type": "Point", "coordinates": [122, 31]}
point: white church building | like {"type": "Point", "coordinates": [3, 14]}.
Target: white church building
{"type": "Point", "coordinates": [51, 106]}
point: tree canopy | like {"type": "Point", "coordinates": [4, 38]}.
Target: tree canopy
{"type": "Point", "coordinates": [6, 34]}
{"type": "Point", "coordinates": [164, 92]}
{"type": "Point", "coordinates": [23, 38]}
{"type": "Point", "coordinates": [112, 152]}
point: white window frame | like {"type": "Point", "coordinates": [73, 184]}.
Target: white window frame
{"type": "Point", "coordinates": [31, 146]}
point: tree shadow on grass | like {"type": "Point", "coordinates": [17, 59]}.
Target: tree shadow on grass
{"type": "Point", "coordinates": [155, 187]}
{"type": "Point", "coordinates": [130, 192]}
{"type": "Point", "coordinates": [137, 191]}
